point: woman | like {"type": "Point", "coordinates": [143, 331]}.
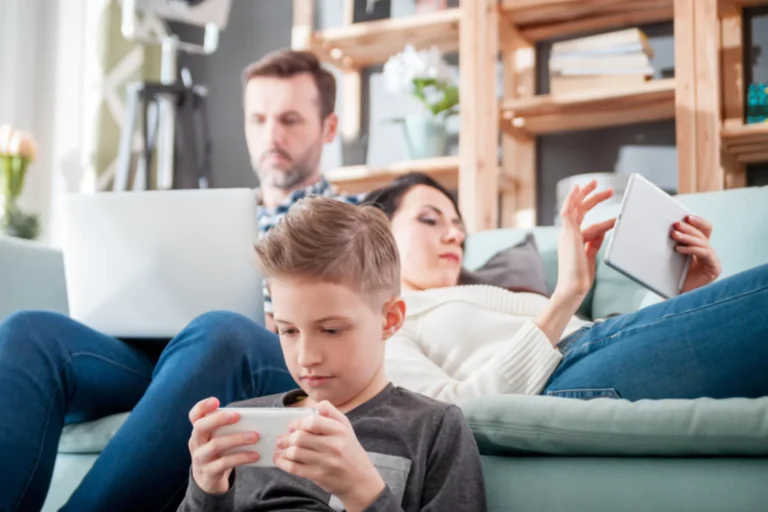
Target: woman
{"type": "Point", "coordinates": [460, 342]}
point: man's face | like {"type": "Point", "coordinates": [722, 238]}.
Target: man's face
{"type": "Point", "coordinates": [284, 131]}
{"type": "Point", "coordinates": [332, 337]}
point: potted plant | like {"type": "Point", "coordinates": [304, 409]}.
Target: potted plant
{"type": "Point", "coordinates": [426, 76]}
{"type": "Point", "coordinates": [17, 152]}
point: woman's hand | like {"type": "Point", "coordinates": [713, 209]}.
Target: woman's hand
{"type": "Point", "coordinates": [692, 237]}
{"type": "Point", "coordinates": [578, 248]}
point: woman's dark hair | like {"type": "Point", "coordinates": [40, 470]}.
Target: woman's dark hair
{"type": "Point", "coordinates": [389, 197]}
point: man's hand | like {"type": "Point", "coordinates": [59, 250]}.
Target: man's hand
{"type": "Point", "coordinates": [692, 237]}
{"type": "Point", "coordinates": [324, 449]}
{"type": "Point", "coordinates": [210, 469]}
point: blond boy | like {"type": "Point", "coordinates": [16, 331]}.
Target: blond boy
{"type": "Point", "coordinates": [333, 272]}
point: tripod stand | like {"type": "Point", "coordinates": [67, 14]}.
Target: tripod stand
{"type": "Point", "coordinates": [191, 166]}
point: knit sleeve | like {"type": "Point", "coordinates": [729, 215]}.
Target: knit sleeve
{"type": "Point", "coordinates": [521, 366]}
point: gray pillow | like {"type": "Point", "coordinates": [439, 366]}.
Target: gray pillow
{"type": "Point", "coordinates": [517, 268]}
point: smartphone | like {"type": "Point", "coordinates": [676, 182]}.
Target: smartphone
{"type": "Point", "coordinates": [269, 422]}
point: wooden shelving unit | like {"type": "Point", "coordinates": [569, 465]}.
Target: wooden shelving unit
{"type": "Point", "coordinates": [367, 44]}
{"type": "Point", "coordinates": [537, 20]}
{"type": "Point", "coordinates": [706, 97]}
{"type": "Point", "coordinates": [748, 144]}
{"type": "Point", "coordinates": [716, 142]}
{"type": "Point", "coordinates": [538, 115]}
{"type": "Point", "coordinates": [362, 178]}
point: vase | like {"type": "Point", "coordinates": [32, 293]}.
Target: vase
{"type": "Point", "coordinates": [425, 137]}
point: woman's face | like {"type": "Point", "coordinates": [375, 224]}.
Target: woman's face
{"type": "Point", "coordinates": [429, 236]}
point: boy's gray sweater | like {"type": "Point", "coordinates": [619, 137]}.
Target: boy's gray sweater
{"type": "Point", "coordinates": [423, 449]}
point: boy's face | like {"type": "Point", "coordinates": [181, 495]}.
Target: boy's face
{"type": "Point", "coordinates": [333, 338]}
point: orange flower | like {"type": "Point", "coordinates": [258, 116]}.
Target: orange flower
{"type": "Point", "coordinates": [23, 145]}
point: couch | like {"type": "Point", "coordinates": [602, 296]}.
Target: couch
{"type": "Point", "coordinates": [543, 453]}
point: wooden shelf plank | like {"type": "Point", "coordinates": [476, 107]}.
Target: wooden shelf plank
{"type": "Point", "coordinates": [362, 178]}
{"type": "Point", "coordinates": [748, 143]}
{"type": "Point", "coordinates": [370, 43]}
{"type": "Point", "coordinates": [543, 114]}
{"type": "Point", "coordinates": [548, 19]}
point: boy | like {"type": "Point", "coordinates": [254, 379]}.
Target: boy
{"type": "Point", "coordinates": [333, 272]}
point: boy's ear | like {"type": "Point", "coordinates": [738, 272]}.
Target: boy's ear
{"type": "Point", "coordinates": [394, 316]}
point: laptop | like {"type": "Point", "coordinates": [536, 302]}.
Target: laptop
{"type": "Point", "coordinates": [145, 264]}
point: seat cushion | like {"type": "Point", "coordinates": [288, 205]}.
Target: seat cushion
{"type": "Point", "coordinates": [92, 436]}
{"type": "Point", "coordinates": [515, 424]}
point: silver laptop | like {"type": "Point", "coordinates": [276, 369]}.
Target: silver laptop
{"type": "Point", "coordinates": [145, 264]}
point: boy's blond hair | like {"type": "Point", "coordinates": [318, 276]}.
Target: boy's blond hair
{"type": "Point", "coordinates": [325, 239]}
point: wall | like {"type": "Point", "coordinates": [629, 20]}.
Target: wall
{"type": "Point", "coordinates": [255, 28]}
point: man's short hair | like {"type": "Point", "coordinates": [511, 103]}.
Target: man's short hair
{"type": "Point", "coordinates": [289, 63]}
{"type": "Point", "coordinates": [324, 239]}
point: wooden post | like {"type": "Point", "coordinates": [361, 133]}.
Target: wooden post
{"type": "Point", "coordinates": [709, 171]}
{"type": "Point", "coordinates": [685, 96]}
{"type": "Point", "coordinates": [732, 78]}
{"type": "Point", "coordinates": [352, 90]}
{"type": "Point", "coordinates": [518, 206]}
{"type": "Point", "coordinates": [303, 23]}
{"type": "Point", "coordinates": [478, 140]}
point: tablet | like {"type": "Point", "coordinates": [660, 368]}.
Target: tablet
{"type": "Point", "coordinates": [269, 423]}
{"type": "Point", "coordinates": [641, 247]}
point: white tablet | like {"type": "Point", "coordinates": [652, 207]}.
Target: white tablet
{"type": "Point", "coordinates": [270, 423]}
{"type": "Point", "coordinates": [641, 246]}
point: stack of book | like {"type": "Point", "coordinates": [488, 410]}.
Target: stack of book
{"type": "Point", "coordinates": [610, 61]}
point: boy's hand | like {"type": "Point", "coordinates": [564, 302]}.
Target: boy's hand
{"type": "Point", "coordinates": [211, 469]}
{"type": "Point", "coordinates": [324, 449]}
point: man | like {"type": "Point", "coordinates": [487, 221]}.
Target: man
{"type": "Point", "coordinates": [289, 115]}
{"type": "Point", "coordinates": [55, 371]}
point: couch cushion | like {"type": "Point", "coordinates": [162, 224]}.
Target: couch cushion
{"type": "Point", "coordinates": [92, 436]}
{"type": "Point", "coordinates": [519, 267]}
{"type": "Point", "coordinates": [482, 246]}
{"type": "Point", "coordinates": [514, 424]}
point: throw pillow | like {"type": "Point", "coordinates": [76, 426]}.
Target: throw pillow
{"type": "Point", "coordinates": [517, 268]}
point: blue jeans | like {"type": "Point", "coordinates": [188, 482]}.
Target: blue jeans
{"type": "Point", "coordinates": [710, 342]}
{"type": "Point", "coordinates": [54, 371]}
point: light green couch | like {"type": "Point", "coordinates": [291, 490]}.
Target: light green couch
{"type": "Point", "coordinates": [545, 453]}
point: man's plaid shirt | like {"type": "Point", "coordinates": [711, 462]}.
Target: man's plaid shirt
{"type": "Point", "coordinates": [269, 217]}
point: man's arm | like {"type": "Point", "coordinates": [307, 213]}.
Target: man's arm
{"type": "Point", "coordinates": [454, 477]}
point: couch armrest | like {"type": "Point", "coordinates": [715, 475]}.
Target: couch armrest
{"type": "Point", "coordinates": [31, 277]}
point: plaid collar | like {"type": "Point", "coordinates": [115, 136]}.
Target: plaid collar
{"type": "Point", "coordinates": [268, 217]}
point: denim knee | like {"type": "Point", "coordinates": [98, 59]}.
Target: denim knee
{"type": "Point", "coordinates": [31, 331]}
{"type": "Point", "coordinates": [222, 333]}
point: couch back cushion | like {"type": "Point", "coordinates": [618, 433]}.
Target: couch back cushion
{"type": "Point", "coordinates": [740, 237]}
{"type": "Point", "coordinates": [31, 277]}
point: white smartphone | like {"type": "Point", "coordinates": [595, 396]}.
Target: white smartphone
{"type": "Point", "coordinates": [641, 247]}
{"type": "Point", "coordinates": [269, 423]}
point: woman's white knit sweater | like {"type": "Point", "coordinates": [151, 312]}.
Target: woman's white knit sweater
{"type": "Point", "coordinates": [469, 341]}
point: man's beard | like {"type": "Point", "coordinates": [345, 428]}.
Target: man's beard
{"type": "Point", "coordinates": [285, 179]}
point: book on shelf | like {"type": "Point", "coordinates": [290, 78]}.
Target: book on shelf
{"type": "Point", "coordinates": [566, 84]}
{"type": "Point", "coordinates": [612, 60]}
{"type": "Point", "coordinates": [618, 42]}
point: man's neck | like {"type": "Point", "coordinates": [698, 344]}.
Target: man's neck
{"type": "Point", "coordinates": [272, 196]}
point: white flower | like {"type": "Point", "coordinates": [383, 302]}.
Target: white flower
{"type": "Point", "coordinates": [6, 134]}
{"type": "Point", "coordinates": [400, 70]}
